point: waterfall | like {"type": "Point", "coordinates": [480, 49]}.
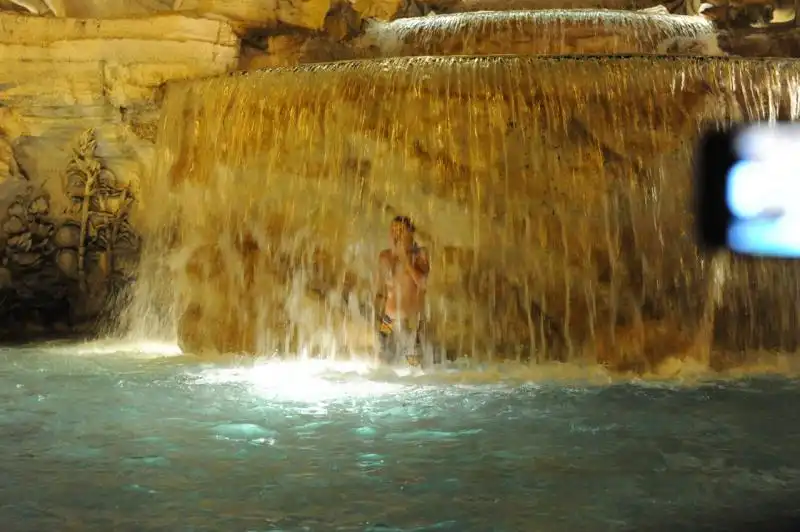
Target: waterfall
{"type": "Point", "coordinates": [552, 192]}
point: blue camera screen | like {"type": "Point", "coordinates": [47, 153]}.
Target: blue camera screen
{"type": "Point", "coordinates": [763, 191]}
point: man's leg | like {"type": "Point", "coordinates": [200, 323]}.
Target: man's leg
{"type": "Point", "coordinates": [413, 345]}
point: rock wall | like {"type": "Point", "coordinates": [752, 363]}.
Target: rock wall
{"type": "Point", "coordinates": [781, 42]}
{"type": "Point", "coordinates": [303, 14]}
{"type": "Point", "coordinates": [79, 100]}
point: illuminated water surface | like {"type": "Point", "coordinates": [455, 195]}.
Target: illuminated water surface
{"type": "Point", "coordinates": [98, 440]}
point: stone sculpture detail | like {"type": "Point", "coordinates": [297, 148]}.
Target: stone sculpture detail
{"type": "Point", "coordinates": [101, 205]}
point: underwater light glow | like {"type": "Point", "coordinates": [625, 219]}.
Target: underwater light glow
{"type": "Point", "coordinates": [305, 381]}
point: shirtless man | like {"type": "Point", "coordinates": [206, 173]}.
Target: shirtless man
{"type": "Point", "coordinates": [403, 277]}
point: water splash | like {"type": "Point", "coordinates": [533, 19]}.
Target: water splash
{"type": "Point", "coordinates": [557, 31]}
{"type": "Point", "coordinates": [323, 381]}
{"type": "Point", "coordinates": [552, 192]}
{"type": "Point", "coordinates": [112, 347]}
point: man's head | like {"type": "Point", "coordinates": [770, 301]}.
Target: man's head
{"type": "Point", "coordinates": [401, 231]}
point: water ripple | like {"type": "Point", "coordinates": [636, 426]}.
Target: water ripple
{"type": "Point", "coordinates": [120, 443]}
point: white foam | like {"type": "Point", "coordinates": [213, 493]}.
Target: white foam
{"type": "Point", "coordinates": [321, 381]}
{"type": "Point", "coordinates": [389, 36]}
{"type": "Point", "coordinates": [130, 348]}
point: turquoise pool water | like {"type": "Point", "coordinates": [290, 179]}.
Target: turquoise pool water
{"type": "Point", "coordinates": [98, 438]}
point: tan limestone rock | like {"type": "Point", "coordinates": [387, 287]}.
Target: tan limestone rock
{"type": "Point", "coordinates": [301, 13]}
{"type": "Point", "coordinates": [98, 8]}
{"type": "Point", "coordinates": [342, 21]}
{"type": "Point", "coordinates": [378, 9]}
{"type": "Point", "coordinates": [291, 50]}
{"type": "Point", "coordinates": [59, 77]}
{"type": "Point", "coordinates": [28, 7]}
{"type": "Point", "coordinates": [308, 14]}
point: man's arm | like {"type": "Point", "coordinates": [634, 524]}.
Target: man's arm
{"type": "Point", "coordinates": [418, 267]}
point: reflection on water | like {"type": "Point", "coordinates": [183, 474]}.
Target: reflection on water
{"type": "Point", "coordinates": [130, 442]}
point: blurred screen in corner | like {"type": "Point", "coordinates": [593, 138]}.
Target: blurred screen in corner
{"type": "Point", "coordinates": [748, 189]}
